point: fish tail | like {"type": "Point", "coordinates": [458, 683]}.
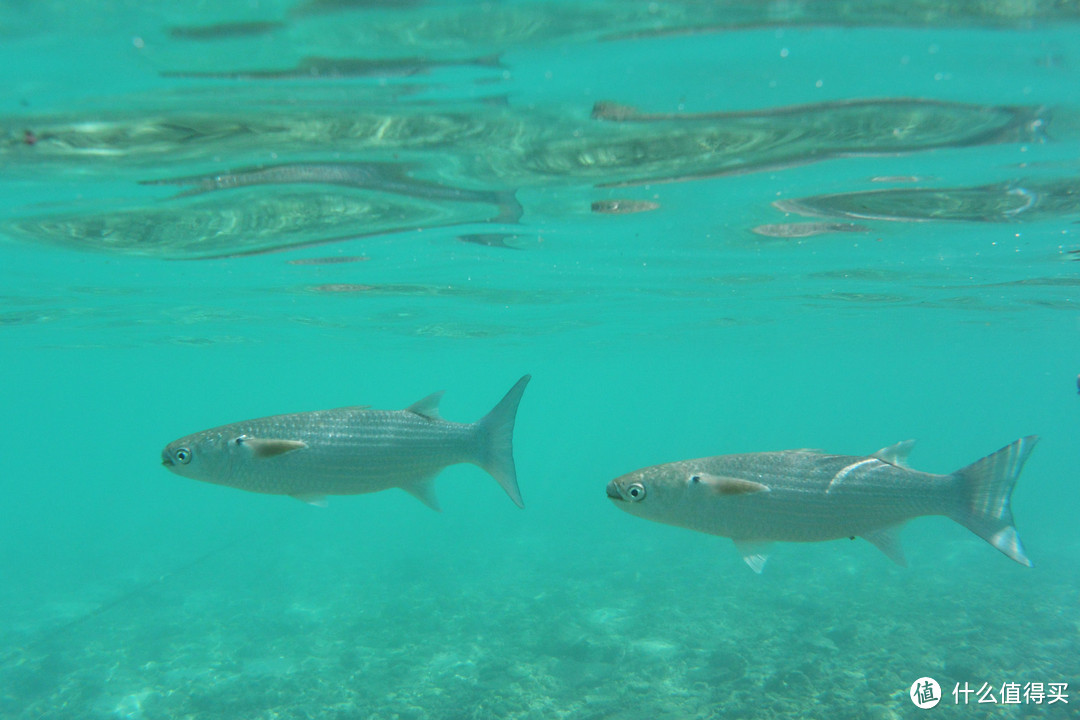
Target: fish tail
{"type": "Point", "coordinates": [510, 210]}
{"type": "Point", "coordinates": [496, 430]}
{"type": "Point", "coordinates": [986, 487]}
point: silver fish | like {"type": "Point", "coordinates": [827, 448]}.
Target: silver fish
{"type": "Point", "coordinates": [351, 450]}
{"type": "Point", "coordinates": [806, 229]}
{"type": "Point", "coordinates": [623, 207]}
{"type": "Point", "coordinates": [805, 496]}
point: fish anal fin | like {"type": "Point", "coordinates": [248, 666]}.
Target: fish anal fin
{"type": "Point", "coordinates": [887, 540]}
{"type": "Point", "coordinates": [427, 407]}
{"type": "Point", "coordinates": [269, 447]}
{"type": "Point", "coordinates": [755, 554]}
{"type": "Point", "coordinates": [316, 499]}
{"type": "Point", "coordinates": [727, 485]}
{"type": "Point", "coordinates": [424, 491]}
{"type": "Point", "coordinates": [895, 454]}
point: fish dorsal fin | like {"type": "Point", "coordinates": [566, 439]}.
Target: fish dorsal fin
{"type": "Point", "coordinates": [887, 539]}
{"type": "Point", "coordinates": [269, 447]}
{"type": "Point", "coordinates": [727, 485]}
{"type": "Point", "coordinates": [428, 407]}
{"type": "Point", "coordinates": [895, 454]}
{"type": "Point", "coordinates": [316, 499]}
{"type": "Point", "coordinates": [424, 491]}
{"type": "Point", "coordinates": [755, 554]}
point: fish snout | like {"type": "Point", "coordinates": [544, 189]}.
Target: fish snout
{"type": "Point", "coordinates": [613, 491]}
{"type": "Point", "coordinates": [166, 458]}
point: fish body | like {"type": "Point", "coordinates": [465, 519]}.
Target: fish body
{"type": "Point", "coordinates": [805, 496]}
{"type": "Point", "coordinates": [351, 450]}
{"type": "Point", "coordinates": [623, 207]}
{"type": "Point", "coordinates": [806, 229]}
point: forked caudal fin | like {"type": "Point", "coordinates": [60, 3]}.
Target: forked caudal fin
{"type": "Point", "coordinates": [496, 430]}
{"type": "Point", "coordinates": [985, 492]}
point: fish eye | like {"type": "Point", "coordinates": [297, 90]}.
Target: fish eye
{"type": "Point", "coordinates": [636, 492]}
{"type": "Point", "coordinates": [183, 456]}
{"type": "Point", "coordinates": [695, 478]}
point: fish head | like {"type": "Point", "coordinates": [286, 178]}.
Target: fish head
{"type": "Point", "coordinates": [679, 493]}
{"type": "Point", "coordinates": [204, 456]}
{"type": "Point", "coordinates": [653, 492]}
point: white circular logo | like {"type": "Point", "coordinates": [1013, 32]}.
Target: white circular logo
{"type": "Point", "coordinates": [925, 693]}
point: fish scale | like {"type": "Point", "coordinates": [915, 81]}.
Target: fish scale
{"type": "Point", "coordinates": [800, 508]}
{"type": "Point", "coordinates": [345, 445]}
{"type": "Point", "coordinates": [351, 450]}
{"type": "Point", "coordinates": [802, 496]}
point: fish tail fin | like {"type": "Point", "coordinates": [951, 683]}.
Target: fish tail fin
{"type": "Point", "coordinates": [986, 487]}
{"type": "Point", "coordinates": [488, 61]}
{"type": "Point", "coordinates": [496, 430]}
{"type": "Point", "coordinates": [510, 210]}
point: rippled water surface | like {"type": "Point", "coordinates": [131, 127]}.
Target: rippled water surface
{"type": "Point", "coordinates": [703, 227]}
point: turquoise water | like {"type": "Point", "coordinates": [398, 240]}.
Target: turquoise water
{"type": "Point", "coordinates": [217, 211]}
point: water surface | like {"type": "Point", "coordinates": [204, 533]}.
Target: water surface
{"type": "Point", "coordinates": [704, 228]}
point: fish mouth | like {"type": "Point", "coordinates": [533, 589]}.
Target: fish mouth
{"type": "Point", "coordinates": [613, 491]}
{"type": "Point", "coordinates": [166, 460]}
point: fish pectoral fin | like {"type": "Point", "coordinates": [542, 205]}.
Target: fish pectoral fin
{"type": "Point", "coordinates": [728, 485]}
{"type": "Point", "coordinates": [424, 491]}
{"type": "Point", "coordinates": [269, 447]}
{"type": "Point", "coordinates": [895, 454]}
{"type": "Point", "coordinates": [428, 407]}
{"type": "Point", "coordinates": [316, 499]}
{"type": "Point", "coordinates": [754, 554]}
{"type": "Point", "coordinates": [887, 539]}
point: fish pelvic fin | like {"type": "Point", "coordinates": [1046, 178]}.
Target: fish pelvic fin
{"type": "Point", "coordinates": [496, 431]}
{"type": "Point", "coordinates": [316, 499]}
{"type": "Point", "coordinates": [754, 553]}
{"type": "Point", "coordinates": [985, 494]}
